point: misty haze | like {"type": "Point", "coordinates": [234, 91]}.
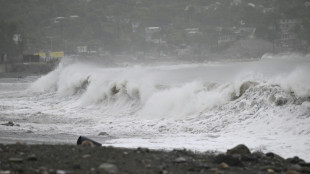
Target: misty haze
{"type": "Point", "coordinates": [202, 75]}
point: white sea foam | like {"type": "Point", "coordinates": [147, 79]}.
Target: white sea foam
{"type": "Point", "coordinates": [263, 104]}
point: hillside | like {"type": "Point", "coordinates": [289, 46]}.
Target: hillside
{"type": "Point", "coordinates": [119, 26]}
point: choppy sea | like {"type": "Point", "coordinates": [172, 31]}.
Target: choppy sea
{"type": "Point", "coordinates": [264, 104]}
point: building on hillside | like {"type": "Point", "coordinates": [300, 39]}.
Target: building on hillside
{"type": "Point", "coordinates": [226, 38]}
{"type": "Point", "coordinates": [192, 9]}
{"type": "Point", "coordinates": [29, 58]}
{"type": "Point", "coordinates": [267, 10]}
{"type": "Point", "coordinates": [288, 39]}
{"type": "Point", "coordinates": [5, 65]}
{"type": "Point", "coordinates": [151, 35]}
{"type": "Point", "coordinates": [3, 58]}
{"type": "Point", "coordinates": [192, 31]}
{"type": "Point", "coordinates": [245, 32]}
{"type": "Point", "coordinates": [135, 26]}
{"type": "Point", "coordinates": [58, 19]}
{"type": "Point", "coordinates": [81, 49]}
{"type": "Point", "coordinates": [235, 2]}
{"type": "Point", "coordinates": [229, 35]}
{"type": "Point", "coordinates": [44, 56]}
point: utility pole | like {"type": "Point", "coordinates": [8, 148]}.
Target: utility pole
{"type": "Point", "coordinates": [51, 41]}
{"type": "Point", "coordinates": [65, 41]}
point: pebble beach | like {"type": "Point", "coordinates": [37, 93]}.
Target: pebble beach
{"type": "Point", "coordinates": [86, 158]}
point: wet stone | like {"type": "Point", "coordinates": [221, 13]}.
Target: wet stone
{"type": "Point", "coordinates": [163, 172]}
{"type": "Point", "coordinates": [76, 167]}
{"type": "Point", "coordinates": [224, 165]}
{"type": "Point", "coordinates": [292, 172]}
{"type": "Point", "coordinates": [274, 168]}
{"type": "Point", "coordinates": [305, 164]}
{"type": "Point", "coordinates": [258, 155]}
{"type": "Point", "coordinates": [305, 170]}
{"type": "Point", "coordinates": [87, 144]}
{"type": "Point", "coordinates": [215, 170]}
{"type": "Point", "coordinates": [199, 168]}
{"type": "Point", "coordinates": [42, 170]}
{"type": "Point", "coordinates": [5, 172]}
{"type": "Point", "coordinates": [143, 150]}
{"type": "Point", "coordinates": [10, 123]}
{"type": "Point", "coordinates": [86, 156]}
{"type": "Point", "coordinates": [261, 172]}
{"type": "Point", "coordinates": [231, 160]}
{"type": "Point", "coordinates": [15, 160]}
{"type": "Point", "coordinates": [64, 172]}
{"type": "Point", "coordinates": [295, 160]}
{"type": "Point", "coordinates": [275, 157]}
{"type": "Point", "coordinates": [280, 101]}
{"type": "Point", "coordinates": [32, 158]}
{"type": "Point", "coordinates": [51, 171]}
{"type": "Point", "coordinates": [296, 167]}
{"type": "Point", "coordinates": [180, 160]}
{"type": "Point", "coordinates": [29, 131]}
{"type": "Point", "coordinates": [248, 158]}
{"type": "Point", "coordinates": [108, 168]}
{"type": "Point", "coordinates": [17, 171]}
{"type": "Point", "coordinates": [240, 150]}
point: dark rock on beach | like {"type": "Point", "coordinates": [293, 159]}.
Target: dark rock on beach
{"type": "Point", "coordinates": [239, 150]}
{"type": "Point", "coordinates": [10, 123]}
{"type": "Point", "coordinates": [65, 159]}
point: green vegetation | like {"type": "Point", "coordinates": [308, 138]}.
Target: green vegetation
{"type": "Point", "coordinates": [62, 25]}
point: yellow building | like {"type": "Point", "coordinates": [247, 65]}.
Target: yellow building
{"type": "Point", "coordinates": [52, 55]}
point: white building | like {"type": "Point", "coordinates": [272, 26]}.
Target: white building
{"type": "Point", "coordinates": [149, 34]}
{"type": "Point", "coordinates": [288, 38]}
{"type": "Point", "coordinates": [82, 49]}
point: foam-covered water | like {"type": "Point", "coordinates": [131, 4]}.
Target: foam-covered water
{"type": "Point", "coordinates": [264, 104]}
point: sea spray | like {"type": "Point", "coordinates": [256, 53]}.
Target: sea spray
{"type": "Point", "coordinates": [262, 103]}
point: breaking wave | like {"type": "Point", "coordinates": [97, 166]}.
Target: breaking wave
{"type": "Point", "coordinates": [179, 91]}
{"type": "Point", "coordinates": [264, 104]}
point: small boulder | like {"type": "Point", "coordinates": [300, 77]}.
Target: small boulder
{"type": "Point", "coordinates": [274, 157]}
{"type": "Point", "coordinates": [214, 170]}
{"type": "Point", "coordinates": [180, 160]}
{"type": "Point", "coordinates": [231, 160]}
{"type": "Point", "coordinates": [142, 150]}
{"type": "Point", "coordinates": [291, 172]}
{"type": "Point", "coordinates": [296, 167]}
{"type": "Point", "coordinates": [239, 150]}
{"type": "Point", "coordinates": [15, 160]}
{"type": "Point", "coordinates": [10, 123]}
{"type": "Point", "coordinates": [108, 168]}
{"type": "Point", "coordinates": [224, 165]}
{"type": "Point", "coordinates": [87, 144]}
{"type": "Point", "coordinates": [305, 170]}
{"type": "Point", "coordinates": [86, 156]}
{"type": "Point", "coordinates": [29, 131]}
{"type": "Point", "coordinates": [295, 160]}
{"type": "Point", "coordinates": [32, 158]}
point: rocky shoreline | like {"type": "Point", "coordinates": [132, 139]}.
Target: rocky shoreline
{"type": "Point", "coordinates": [86, 158]}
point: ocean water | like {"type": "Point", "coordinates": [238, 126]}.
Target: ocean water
{"type": "Point", "coordinates": [264, 104]}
